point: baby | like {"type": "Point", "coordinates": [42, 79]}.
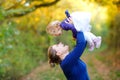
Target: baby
{"type": "Point", "coordinates": [77, 21]}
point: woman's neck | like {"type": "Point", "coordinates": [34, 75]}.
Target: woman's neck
{"type": "Point", "coordinates": [64, 55]}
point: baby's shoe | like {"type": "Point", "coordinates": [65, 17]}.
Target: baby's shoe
{"type": "Point", "coordinates": [91, 46]}
{"type": "Point", "coordinates": [97, 42]}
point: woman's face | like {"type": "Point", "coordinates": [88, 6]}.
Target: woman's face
{"type": "Point", "coordinates": [61, 48]}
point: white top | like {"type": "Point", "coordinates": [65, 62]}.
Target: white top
{"type": "Point", "coordinates": [81, 21]}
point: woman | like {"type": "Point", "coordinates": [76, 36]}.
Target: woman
{"type": "Point", "coordinates": [71, 64]}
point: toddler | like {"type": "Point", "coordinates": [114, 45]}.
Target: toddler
{"type": "Point", "coordinates": [77, 21]}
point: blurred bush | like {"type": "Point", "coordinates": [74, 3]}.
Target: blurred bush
{"type": "Point", "coordinates": [20, 51]}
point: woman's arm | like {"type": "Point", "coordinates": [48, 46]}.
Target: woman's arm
{"type": "Point", "coordinates": [74, 55]}
{"type": "Point", "coordinates": [80, 46]}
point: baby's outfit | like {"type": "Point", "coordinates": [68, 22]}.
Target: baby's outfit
{"type": "Point", "coordinates": [81, 21]}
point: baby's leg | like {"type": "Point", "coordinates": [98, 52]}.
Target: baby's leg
{"type": "Point", "coordinates": [92, 35]}
{"type": "Point", "coordinates": [89, 40]}
{"type": "Point", "coordinates": [97, 39]}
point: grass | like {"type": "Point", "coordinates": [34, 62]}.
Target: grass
{"type": "Point", "coordinates": [51, 74]}
{"type": "Point", "coordinates": [20, 53]}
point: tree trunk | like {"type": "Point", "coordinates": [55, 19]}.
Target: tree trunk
{"type": "Point", "coordinates": [114, 42]}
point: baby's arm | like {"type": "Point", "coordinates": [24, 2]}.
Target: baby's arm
{"type": "Point", "coordinates": [69, 20]}
{"type": "Point", "coordinates": [67, 13]}
{"type": "Point", "coordinates": [65, 25]}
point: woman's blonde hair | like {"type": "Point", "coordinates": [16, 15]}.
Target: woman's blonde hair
{"type": "Point", "coordinates": [52, 27]}
{"type": "Point", "coordinates": [53, 58]}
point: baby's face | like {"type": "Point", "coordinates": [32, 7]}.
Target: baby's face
{"type": "Point", "coordinates": [56, 31]}
{"type": "Point", "coordinates": [54, 28]}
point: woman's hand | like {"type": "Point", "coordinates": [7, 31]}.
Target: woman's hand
{"type": "Point", "coordinates": [69, 20]}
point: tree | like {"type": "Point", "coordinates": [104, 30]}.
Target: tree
{"type": "Point", "coordinates": [19, 8]}
{"type": "Point", "coordinates": [114, 29]}
{"type": "Point", "coordinates": [114, 36]}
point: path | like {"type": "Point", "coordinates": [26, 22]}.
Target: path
{"type": "Point", "coordinates": [33, 74]}
{"type": "Point", "coordinates": [102, 69]}
{"type": "Point", "coordinates": [98, 69]}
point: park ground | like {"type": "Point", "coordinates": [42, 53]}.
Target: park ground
{"type": "Point", "coordinates": [99, 68]}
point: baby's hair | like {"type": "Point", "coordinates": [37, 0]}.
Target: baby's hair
{"type": "Point", "coordinates": [52, 25]}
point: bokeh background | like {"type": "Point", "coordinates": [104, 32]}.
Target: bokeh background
{"type": "Point", "coordinates": [24, 41]}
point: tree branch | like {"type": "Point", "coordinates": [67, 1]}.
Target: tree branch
{"type": "Point", "coordinates": [19, 13]}
{"type": "Point", "coordinates": [46, 4]}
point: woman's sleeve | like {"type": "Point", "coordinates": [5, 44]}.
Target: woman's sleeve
{"type": "Point", "coordinates": [80, 46]}
{"type": "Point", "coordinates": [74, 55]}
